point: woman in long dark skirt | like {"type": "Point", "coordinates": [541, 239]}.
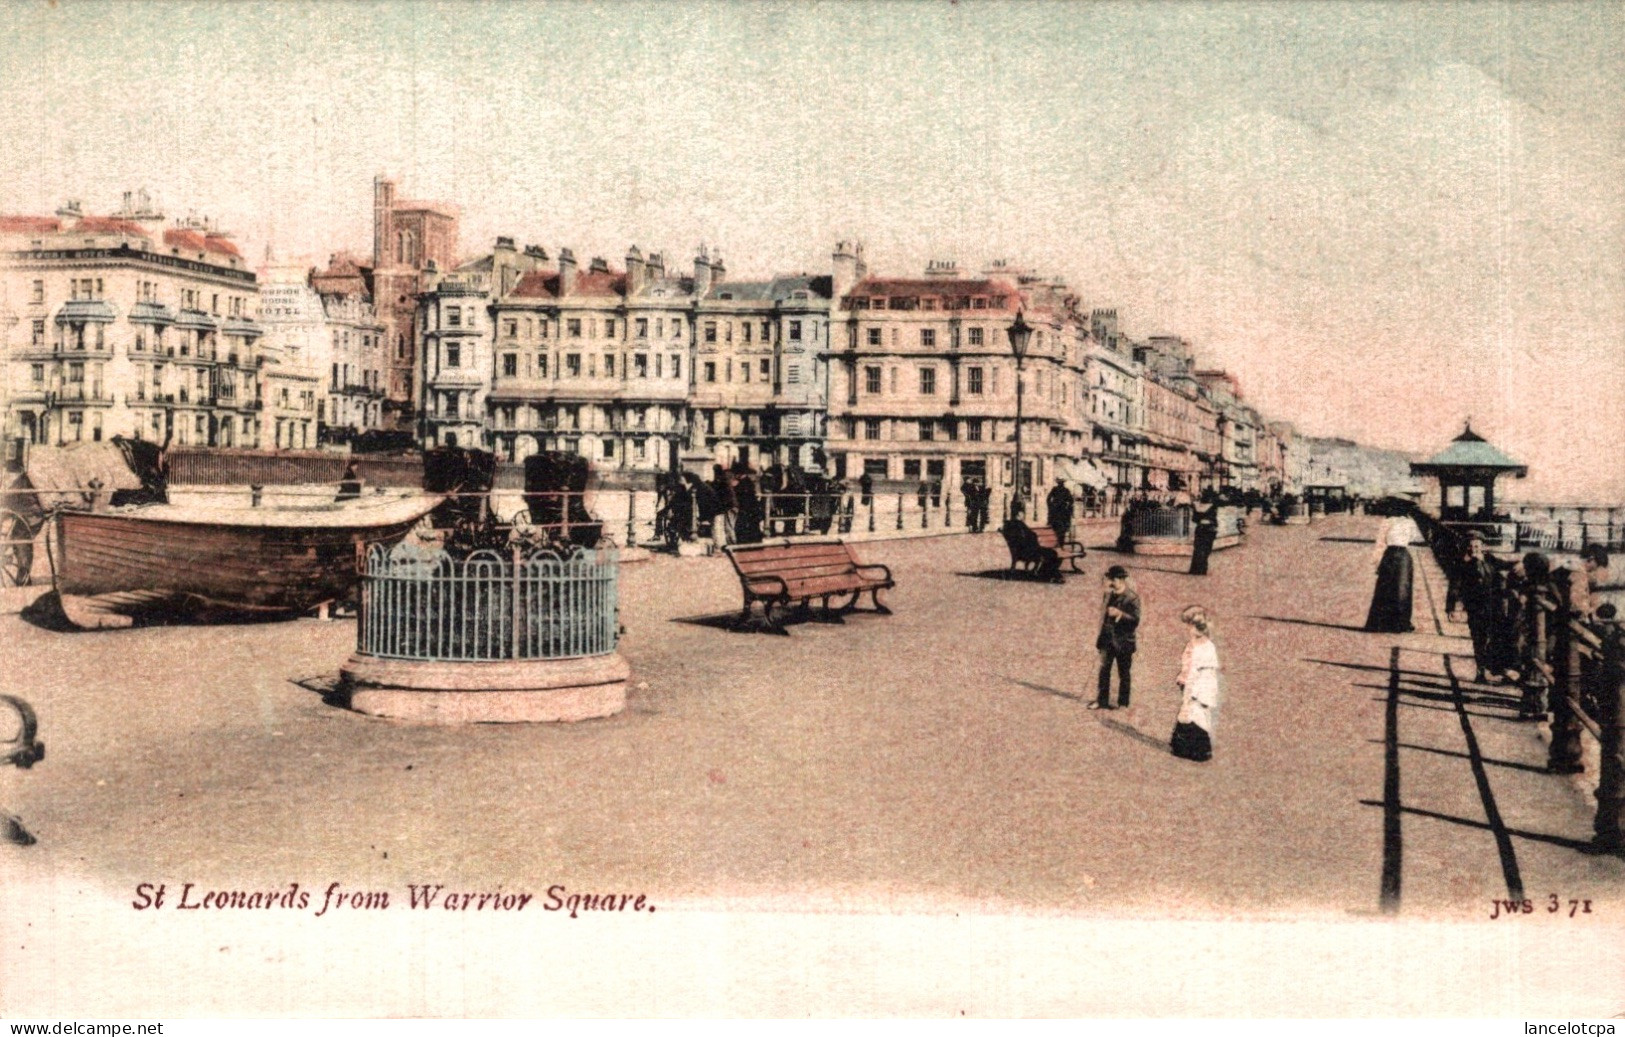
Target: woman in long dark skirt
{"type": "Point", "coordinates": [1391, 601]}
{"type": "Point", "coordinates": [1205, 533]}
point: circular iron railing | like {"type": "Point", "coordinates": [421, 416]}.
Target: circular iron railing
{"type": "Point", "coordinates": [425, 604]}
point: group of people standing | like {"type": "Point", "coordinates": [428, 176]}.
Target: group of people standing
{"type": "Point", "coordinates": [1500, 599]}
{"type": "Point", "coordinates": [734, 505]}
{"type": "Point", "coordinates": [1198, 679]}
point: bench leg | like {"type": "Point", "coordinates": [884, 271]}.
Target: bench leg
{"type": "Point", "coordinates": [880, 606]}
{"type": "Point", "coordinates": [746, 620]}
{"type": "Point", "coordinates": [1073, 562]}
{"type": "Point", "coordinates": [775, 624]}
{"type": "Point", "coordinates": [851, 602]}
{"type": "Point", "coordinates": [830, 615]}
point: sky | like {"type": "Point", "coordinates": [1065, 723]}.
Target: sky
{"type": "Point", "coordinates": [1384, 218]}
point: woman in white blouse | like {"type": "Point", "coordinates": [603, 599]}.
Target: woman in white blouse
{"type": "Point", "coordinates": [1391, 601]}
{"type": "Point", "coordinates": [1199, 689]}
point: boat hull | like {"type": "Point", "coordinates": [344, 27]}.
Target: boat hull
{"type": "Point", "coordinates": [113, 568]}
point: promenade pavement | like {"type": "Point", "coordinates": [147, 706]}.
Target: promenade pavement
{"type": "Point", "coordinates": [940, 758]}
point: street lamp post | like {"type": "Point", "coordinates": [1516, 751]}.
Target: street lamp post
{"type": "Point", "coordinates": [1020, 332]}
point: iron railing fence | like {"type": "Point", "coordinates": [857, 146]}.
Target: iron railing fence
{"type": "Point", "coordinates": [427, 605]}
{"type": "Point", "coordinates": [1172, 523]}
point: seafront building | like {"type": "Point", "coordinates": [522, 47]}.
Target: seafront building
{"type": "Point", "coordinates": [127, 324]}
{"type": "Point", "coordinates": [906, 380]}
{"type": "Point", "coordinates": [324, 361]}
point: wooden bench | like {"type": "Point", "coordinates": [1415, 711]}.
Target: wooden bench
{"type": "Point", "coordinates": [1027, 548]}
{"type": "Point", "coordinates": [781, 575]}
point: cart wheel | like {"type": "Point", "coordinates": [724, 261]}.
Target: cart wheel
{"type": "Point", "coordinates": [16, 550]}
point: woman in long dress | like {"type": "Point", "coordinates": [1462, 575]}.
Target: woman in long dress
{"type": "Point", "coordinates": [1199, 690]}
{"type": "Point", "coordinates": [1391, 601]}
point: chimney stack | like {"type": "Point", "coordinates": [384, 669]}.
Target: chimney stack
{"type": "Point", "coordinates": [567, 271]}
{"type": "Point", "coordinates": [702, 273]}
{"type": "Point", "coordinates": [847, 268]}
{"type": "Point", "coordinates": [634, 271]}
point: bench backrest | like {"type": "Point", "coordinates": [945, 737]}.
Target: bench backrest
{"type": "Point", "coordinates": [794, 562]}
{"type": "Point", "coordinates": [1047, 537]}
{"type": "Point", "coordinates": [1040, 537]}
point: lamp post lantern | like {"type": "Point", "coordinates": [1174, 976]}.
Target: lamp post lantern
{"type": "Point", "coordinates": [1020, 333]}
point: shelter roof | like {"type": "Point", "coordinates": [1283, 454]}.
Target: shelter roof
{"type": "Point", "coordinates": [1468, 452]}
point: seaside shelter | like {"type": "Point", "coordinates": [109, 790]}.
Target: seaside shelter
{"type": "Point", "coordinates": [1466, 471]}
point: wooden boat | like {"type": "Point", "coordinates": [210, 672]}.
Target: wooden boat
{"type": "Point", "coordinates": [167, 561]}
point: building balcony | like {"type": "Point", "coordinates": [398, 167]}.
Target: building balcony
{"type": "Point", "coordinates": [457, 378]}
{"type": "Point", "coordinates": [75, 392]}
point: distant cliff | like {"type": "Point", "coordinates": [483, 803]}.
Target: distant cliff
{"type": "Point", "coordinates": [1365, 470]}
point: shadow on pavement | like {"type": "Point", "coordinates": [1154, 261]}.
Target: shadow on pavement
{"type": "Point", "coordinates": [1509, 718]}
{"type": "Point", "coordinates": [1484, 826]}
{"type": "Point", "coordinates": [731, 622]}
{"type": "Point", "coordinates": [1374, 669]}
{"type": "Point", "coordinates": [1180, 568]}
{"type": "Point", "coordinates": [1012, 576]}
{"type": "Point", "coordinates": [1314, 623]}
{"type": "Point", "coordinates": [1110, 723]}
{"type": "Point", "coordinates": [1134, 733]}
{"type": "Point", "coordinates": [46, 613]}
{"type": "Point", "coordinates": [1509, 764]}
{"type": "Point", "coordinates": [333, 691]}
{"type": "Point", "coordinates": [1046, 689]}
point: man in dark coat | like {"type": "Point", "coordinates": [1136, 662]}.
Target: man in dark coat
{"type": "Point", "coordinates": [1478, 579]}
{"type": "Point", "coordinates": [748, 529]}
{"type": "Point", "coordinates": [727, 506]}
{"type": "Point", "coordinates": [1061, 505]}
{"type": "Point", "coordinates": [1117, 639]}
{"type": "Point", "coordinates": [705, 500]}
{"type": "Point", "coordinates": [973, 509]}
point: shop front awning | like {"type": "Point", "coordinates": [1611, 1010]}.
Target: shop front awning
{"type": "Point", "coordinates": [1084, 472]}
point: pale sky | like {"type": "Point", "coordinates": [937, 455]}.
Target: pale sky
{"type": "Point", "coordinates": [1382, 217]}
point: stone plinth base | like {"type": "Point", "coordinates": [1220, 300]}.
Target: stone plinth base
{"type": "Point", "coordinates": [518, 691]}
{"type": "Point", "coordinates": [1295, 520]}
{"type": "Point", "coordinates": [693, 548]}
{"type": "Point", "coordinates": [633, 554]}
{"type": "Point", "coordinates": [1171, 546]}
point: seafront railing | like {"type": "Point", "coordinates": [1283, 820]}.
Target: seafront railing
{"type": "Point", "coordinates": [1574, 659]}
